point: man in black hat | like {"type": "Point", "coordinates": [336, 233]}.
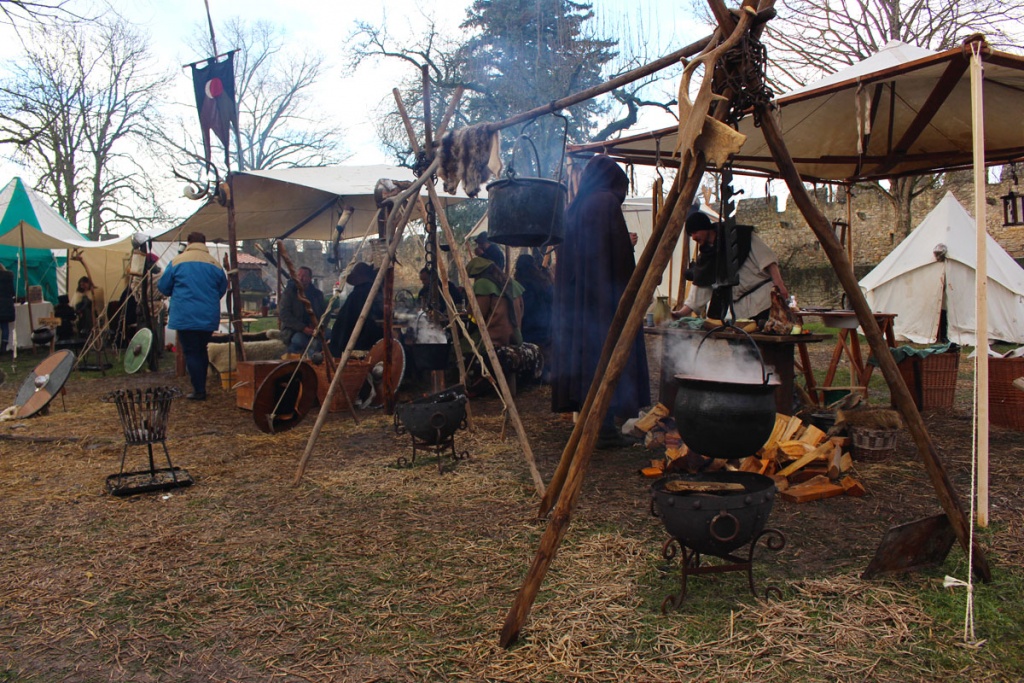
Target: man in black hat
{"type": "Point", "coordinates": [759, 269]}
{"type": "Point", "coordinates": [489, 250]}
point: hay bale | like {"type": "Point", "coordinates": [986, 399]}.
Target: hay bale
{"type": "Point", "coordinates": [223, 356]}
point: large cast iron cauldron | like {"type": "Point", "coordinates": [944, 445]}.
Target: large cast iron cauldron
{"type": "Point", "coordinates": [722, 419]}
{"type": "Point", "coordinates": [526, 212]}
{"type": "Point", "coordinates": [433, 419]}
{"type": "Point", "coordinates": [714, 523]}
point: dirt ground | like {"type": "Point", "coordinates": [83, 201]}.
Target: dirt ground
{"type": "Point", "coordinates": [366, 571]}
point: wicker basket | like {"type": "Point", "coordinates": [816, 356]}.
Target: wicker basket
{"type": "Point", "coordinates": [1005, 402]}
{"type": "Point", "coordinates": [873, 444]}
{"type": "Point", "coordinates": [932, 379]}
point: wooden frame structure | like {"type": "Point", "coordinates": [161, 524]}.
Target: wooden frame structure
{"type": "Point", "coordinates": [563, 490]}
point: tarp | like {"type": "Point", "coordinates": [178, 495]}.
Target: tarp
{"type": "Point", "coordinates": [298, 203]}
{"type": "Point", "coordinates": [915, 284]}
{"type": "Point", "coordinates": [902, 111]}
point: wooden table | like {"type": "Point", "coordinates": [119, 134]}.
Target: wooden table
{"type": "Point", "coordinates": [776, 351]}
{"type": "Point", "coordinates": [848, 344]}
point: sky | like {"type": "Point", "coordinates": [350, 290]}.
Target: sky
{"type": "Point", "coordinates": [351, 98]}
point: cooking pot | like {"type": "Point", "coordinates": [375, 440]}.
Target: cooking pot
{"type": "Point", "coordinates": [714, 523]}
{"type": "Point", "coordinates": [433, 419]}
{"type": "Point", "coordinates": [42, 335]}
{"type": "Point", "coordinates": [526, 212]}
{"type": "Point", "coordinates": [723, 419]}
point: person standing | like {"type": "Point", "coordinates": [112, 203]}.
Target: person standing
{"type": "Point", "coordinates": [195, 282]}
{"type": "Point", "coordinates": [297, 327]}
{"type": "Point", "coordinates": [7, 310]}
{"type": "Point", "coordinates": [361, 279]}
{"type": "Point", "coordinates": [489, 250]}
{"type": "Point", "coordinates": [759, 269]}
{"type": "Point", "coordinates": [594, 265]}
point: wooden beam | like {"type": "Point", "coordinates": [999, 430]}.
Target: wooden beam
{"type": "Point", "coordinates": [822, 228]}
{"type": "Point", "coordinates": [603, 386]}
{"type": "Point", "coordinates": [949, 79]}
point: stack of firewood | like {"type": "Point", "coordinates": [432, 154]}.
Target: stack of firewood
{"type": "Point", "coordinates": [806, 463]}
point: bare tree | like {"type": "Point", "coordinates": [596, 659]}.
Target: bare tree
{"type": "Point", "coordinates": [812, 38]}
{"type": "Point", "coordinates": [18, 12]}
{"type": "Point", "coordinates": [278, 122]}
{"type": "Point", "coordinates": [76, 108]}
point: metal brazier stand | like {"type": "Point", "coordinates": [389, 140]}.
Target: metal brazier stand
{"type": "Point", "coordinates": [144, 416]}
{"type": "Point", "coordinates": [703, 520]}
{"type": "Point", "coordinates": [432, 422]}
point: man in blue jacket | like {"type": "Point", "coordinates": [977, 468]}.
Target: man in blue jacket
{"type": "Point", "coordinates": [195, 282]}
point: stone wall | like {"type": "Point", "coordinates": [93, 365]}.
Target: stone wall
{"type": "Point", "coordinates": [804, 264]}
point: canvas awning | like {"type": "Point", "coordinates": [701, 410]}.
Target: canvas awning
{"type": "Point", "coordinates": [902, 111]}
{"type": "Point", "coordinates": [298, 203]}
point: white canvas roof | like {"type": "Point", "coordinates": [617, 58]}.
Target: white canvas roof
{"type": "Point", "coordinates": [914, 110]}
{"type": "Point", "coordinates": [298, 203]}
{"type": "Point", "coordinates": [914, 284]}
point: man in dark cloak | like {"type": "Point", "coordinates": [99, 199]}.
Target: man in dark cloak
{"type": "Point", "coordinates": [361, 278]}
{"type": "Point", "coordinates": [595, 262]}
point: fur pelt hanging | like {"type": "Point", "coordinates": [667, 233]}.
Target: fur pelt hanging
{"type": "Point", "coordinates": [471, 156]}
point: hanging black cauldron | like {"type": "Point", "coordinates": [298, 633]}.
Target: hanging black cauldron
{"type": "Point", "coordinates": [725, 419]}
{"type": "Point", "coordinates": [526, 212]}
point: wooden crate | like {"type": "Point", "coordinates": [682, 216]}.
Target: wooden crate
{"type": "Point", "coordinates": [1005, 402]}
{"type": "Point", "coordinates": [249, 375]}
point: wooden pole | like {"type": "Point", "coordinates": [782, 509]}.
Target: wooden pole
{"type": "Point", "coordinates": [499, 375]}
{"type": "Point", "coordinates": [24, 279]}
{"type": "Point", "coordinates": [624, 328]}
{"type": "Point", "coordinates": [576, 456]}
{"type": "Point", "coordinates": [406, 194]}
{"type": "Point", "coordinates": [901, 395]}
{"type": "Point", "coordinates": [981, 282]}
{"type": "Point", "coordinates": [235, 306]}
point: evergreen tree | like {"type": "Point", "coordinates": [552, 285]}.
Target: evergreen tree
{"type": "Point", "coordinates": [523, 54]}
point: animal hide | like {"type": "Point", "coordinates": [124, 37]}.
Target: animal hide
{"type": "Point", "coordinates": [471, 156]}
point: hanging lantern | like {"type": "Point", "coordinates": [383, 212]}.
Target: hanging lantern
{"type": "Point", "coordinates": [1013, 209]}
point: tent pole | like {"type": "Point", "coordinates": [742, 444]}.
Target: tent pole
{"type": "Point", "coordinates": [235, 305]}
{"type": "Point", "coordinates": [822, 228]}
{"type": "Point", "coordinates": [24, 276]}
{"type": "Point", "coordinates": [981, 282]}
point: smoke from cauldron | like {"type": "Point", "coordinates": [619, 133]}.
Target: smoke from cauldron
{"type": "Point", "coordinates": [719, 360]}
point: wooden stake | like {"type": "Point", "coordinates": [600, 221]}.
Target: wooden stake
{"type": "Point", "coordinates": [822, 228]}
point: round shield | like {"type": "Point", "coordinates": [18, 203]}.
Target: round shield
{"type": "Point", "coordinates": [284, 397]}
{"type": "Point", "coordinates": [138, 350]}
{"type": "Point", "coordinates": [376, 359]}
{"type": "Point", "coordinates": [44, 382]}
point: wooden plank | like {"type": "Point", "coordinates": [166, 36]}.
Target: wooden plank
{"type": "Point", "coordinates": [816, 454]}
{"type": "Point", "coordinates": [853, 487]}
{"type": "Point", "coordinates": [684, 486]}
{"type": "Point", "coordinates": [812, 435]}
{"type": "Point", "coordinates": [815, 489]}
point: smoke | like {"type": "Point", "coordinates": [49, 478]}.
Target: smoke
{"type": "Point", "coordinates": [426, 332]}
{"type": "Point", "coordinates": [718, 360]}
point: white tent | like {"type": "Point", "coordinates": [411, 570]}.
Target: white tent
{"type": "Point", "coordinates": [934, 267]}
